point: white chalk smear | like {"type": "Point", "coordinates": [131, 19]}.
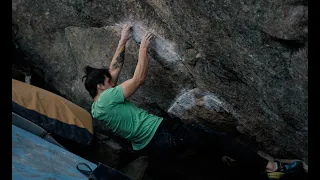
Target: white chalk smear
{"type": "Point", "coordinates": [187, 100]}
{"type": "Point", "coordinates": [27, 79]}
{"type": "Point", "coordinates": [164, 48]}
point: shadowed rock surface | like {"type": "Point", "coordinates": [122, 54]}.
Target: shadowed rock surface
{"type": "Point", "coordinates": [236, 66]}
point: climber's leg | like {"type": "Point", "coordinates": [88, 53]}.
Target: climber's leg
{"type": "Point", "coordinates": [195, 136]}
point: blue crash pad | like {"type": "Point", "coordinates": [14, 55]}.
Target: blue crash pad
{"type": "Point", "coordinates": [37, 159]}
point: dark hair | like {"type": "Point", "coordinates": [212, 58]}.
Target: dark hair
{"type": "Point", "coordinates": [94, 76]}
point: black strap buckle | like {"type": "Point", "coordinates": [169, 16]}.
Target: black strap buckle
{"type": "Point", "coordinates": [85, 172]}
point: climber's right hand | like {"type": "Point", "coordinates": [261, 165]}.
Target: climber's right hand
{"type": "Point", "coordinates": [145, 41]}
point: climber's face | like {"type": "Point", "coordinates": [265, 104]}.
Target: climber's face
{"type": "Point", "coordinates": [106, 84]}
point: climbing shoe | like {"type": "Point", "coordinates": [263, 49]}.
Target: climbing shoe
{"type": "Point", "coordinates": [288, 167]}
{"type": "Point", "coordinates": [285, 168]}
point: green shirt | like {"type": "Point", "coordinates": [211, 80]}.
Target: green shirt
{"type": "Point", "coordinates": [124, 118]}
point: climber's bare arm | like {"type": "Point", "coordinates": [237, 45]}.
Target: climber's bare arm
{"type": "Point", "coordinates": [130, 86]}
{"type": "Point", "coordinates": [118, 58]}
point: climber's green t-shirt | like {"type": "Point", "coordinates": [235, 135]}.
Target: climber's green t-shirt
{"type": "Point", "coordinates": [124, 118]}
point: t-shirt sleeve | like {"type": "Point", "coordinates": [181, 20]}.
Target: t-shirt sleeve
{"type": "Point", "coordinates": [112, 96]}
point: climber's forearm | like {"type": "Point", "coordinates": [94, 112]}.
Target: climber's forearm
{"type": "Point", "coordinates": [140, 72]}
{"type": "Point", "coordinates": [117, 61]}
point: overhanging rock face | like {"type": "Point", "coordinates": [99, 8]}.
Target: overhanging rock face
{"type": "Point", "coordinates": [238, 65]}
